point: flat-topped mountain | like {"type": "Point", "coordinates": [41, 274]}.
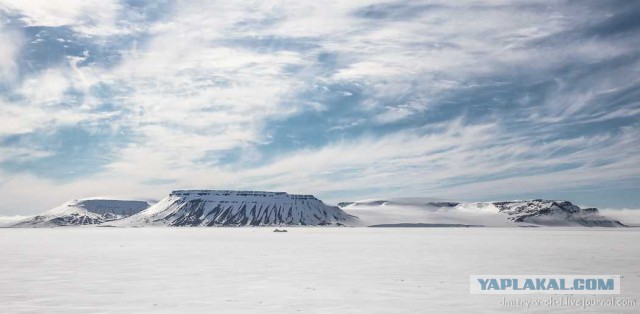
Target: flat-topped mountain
{"type": "Point", "coordinates": [239, 208]}
{"type": "Point", "coordinates": [84, 212]}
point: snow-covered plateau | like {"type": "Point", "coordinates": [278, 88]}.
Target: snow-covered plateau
{"type": "Point", "coordinates": [208, 208]}
{"type": "Point", "coordinates": [306, 270]}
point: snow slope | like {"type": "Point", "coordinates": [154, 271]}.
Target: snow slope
{"type": "Point", "coordinates": [84, 212]}
{"type": "Point", "coordinates": [494, 214]}
{"type": "Point", "coordinates": [238, 208]}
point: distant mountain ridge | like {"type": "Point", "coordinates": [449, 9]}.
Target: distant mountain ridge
{"type": "Point", "coordinates": [84, 212]}
{"type": "Point", "coordinates": [228, 208]}
{"type": "Point", "coordinates": [536, 212]}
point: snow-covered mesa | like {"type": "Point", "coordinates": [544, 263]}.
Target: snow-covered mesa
{"type": "Point", "coordinates": [239, 208]}
{"type": "Point", "coordinates": [214, 208]}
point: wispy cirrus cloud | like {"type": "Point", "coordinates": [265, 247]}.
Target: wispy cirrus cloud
{"type": "Point", "coordinates": [345, 99]}
{"type": "Point", "coordinates": [10, 45]}
{"type": "Point", "coordinates": [87, 17]}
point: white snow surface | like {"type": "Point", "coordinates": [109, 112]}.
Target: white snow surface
{"type": "Point", "coordinates": [238, 208]}
{"type": "Point", "coordinates": [308, 270]}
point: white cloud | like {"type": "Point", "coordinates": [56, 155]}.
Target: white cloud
{"type": "Point", "coordinates": [397, 113]}
{"type": "Point", "coordinates": [445, 163]}
{"type": "Point", "coordinates": [40, 103]}
{"type": "Point", "coordinates": [422, 164]}
{"type": "Point", "coordinates": [196, 95]}
{"type": "Point", "coordinates": [10, 44]}
{"type": "Point", "coordinates": [91, 17]}
{"type": "Point", "coordinates": [46, 88]}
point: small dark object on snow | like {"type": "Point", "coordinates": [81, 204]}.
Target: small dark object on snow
{"type": "Point", "coordinates": [278, 230]}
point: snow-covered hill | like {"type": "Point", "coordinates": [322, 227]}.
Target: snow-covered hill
{"type": "Point", "coordinates": [238, 208]}
{"type": "Point", "coordinates": [498, 214]}
{"type": "Point", "coordinates": [555, 213]}
{"type": "Point", "coordinates": [84, 212]}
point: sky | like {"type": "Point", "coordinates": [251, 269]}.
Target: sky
{"type": "Point", "coordinates": [346, 100]}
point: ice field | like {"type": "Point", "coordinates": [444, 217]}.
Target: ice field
{"type": "Point", "coordinates": [317, 270]}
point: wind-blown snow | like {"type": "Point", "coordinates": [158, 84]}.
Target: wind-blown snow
{"type": "Point", "coordinates": [630, 217]}
{"type": "Point", "coordinates": [11, 220]}
{"type": "Point", "coordinates": [390, 212]}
